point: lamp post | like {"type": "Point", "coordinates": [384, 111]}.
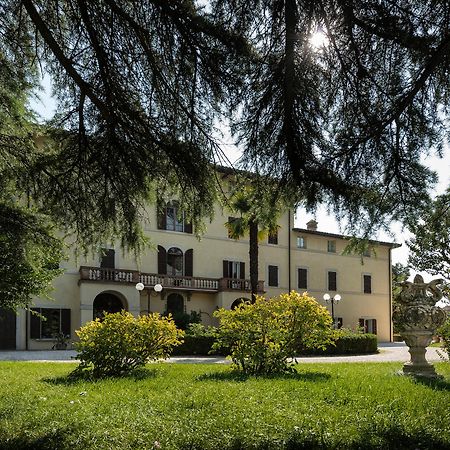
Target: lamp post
{"type": "Point", "coordinates": [336, 299]}
{"type": "Point", "coordinates": [157, 288]}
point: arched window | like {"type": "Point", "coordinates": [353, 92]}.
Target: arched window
{"type": "Point", "coordinates": [106, 302]}
{"type": "Point", "coordinates": [175, 304]}
{"type": "Point", "coordinates": [239, 301]}
{"type": "Point", "coordinates": [174, 261]}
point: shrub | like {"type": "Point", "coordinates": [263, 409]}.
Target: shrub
{"type": "Point", "coordinates": [263, 336]}
{"type": "Point", "coordinates": [183, 320]}
{"type": "Point", "coordinates": [198, 340]}
{"type": "Point", "coordinates": [444, 333]}
{"type": "Point", "coordinates": [347, 342]}
{"type": "Point", "coordinates": [120, 342]}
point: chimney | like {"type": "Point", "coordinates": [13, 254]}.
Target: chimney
{"type": "Point", "coordinates": [311, 225]}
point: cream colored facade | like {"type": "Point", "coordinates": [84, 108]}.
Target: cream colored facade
{"type": "Point", "coordinates": [211, 283]}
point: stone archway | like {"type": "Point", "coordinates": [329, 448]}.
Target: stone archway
{"type": "Point", "coordinates": [107, 302]}
{"type": "Point", "coordinates": [239, 301]}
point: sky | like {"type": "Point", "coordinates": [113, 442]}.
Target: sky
{"type": "Point", "coordinates": [47, 105]}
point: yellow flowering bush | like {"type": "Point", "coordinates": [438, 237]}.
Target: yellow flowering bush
{"type": "Point", "coordinates": [120, 342]}
{"type": "Point", "coordinates": [263, 337]}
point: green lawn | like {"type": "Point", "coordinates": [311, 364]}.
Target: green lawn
{"type": "Point", "coordinates": [340, 406]}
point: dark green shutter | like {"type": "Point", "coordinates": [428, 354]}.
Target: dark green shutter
{"type": "Point", "coordinates": [162, 260]}
{"type": "Point", "coordinates": [374, 326]}
{"type": "Point", "coordinates": [332, 282]}
{"type": "Point", "coordinates": [65, 322]}
{"type": "Point", "coordinates": [302, 279]}
{"type": "Point", "coordinates": [161, 215]}
{"type": "Point", "coordinates": [188, 227]}
{"type": "Point", "coordinates": [189, 263]}
{"type": "Point", "coordinates": [226, 273]}
{"type": "Point", "coordinates": [35, 324]}
{"type": "Point", "coordinates": [273, 275]}
{"type": "Point", "coordinates": [242, 270]}
{"type": "Point", "coordinates": [367, 284]}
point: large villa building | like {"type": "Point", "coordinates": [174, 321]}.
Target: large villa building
{"type": "Point", "coordinates": [211, 273]}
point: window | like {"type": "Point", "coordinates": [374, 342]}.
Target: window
{"type": "Point", "coordinates": [367, 284]}
{"type": "Point", "coordinates": [273, 276]}
{"type": "Point", "coordinates": [52, 322]}
{"type": "Point", "coordinates": [174, 262]}
{"type": "Point", "coordinates": [332, 281]}
{"type": "Point", "coordinates": [302, 278]}
{"type": "Point", "coordinates": [301, 242]}
{"type": "Point", "coordinates": [171, 218]}
{"type": "Point", "coordinates": [234, 269]}
{"type": "Point", "coordinates": [331, 246]}
{"type": "Point", "coordinates": [175, 304]}
{"type": "Point", "coordinates": [273, 238]}
{"type": "Point", "coordinates": [367, 252]}
{"type": "Point", "coordinates": [107, 258]}
{"type": "Point", "coordinates": [368, 325]}
{"type": "Point", "coordinates": [338, 323]}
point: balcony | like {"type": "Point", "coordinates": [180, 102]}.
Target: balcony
{"type": "Point", "coordinates": [198, 284]}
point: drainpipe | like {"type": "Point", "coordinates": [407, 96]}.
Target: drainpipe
{"type": "Point", "coordinates": [391, 337]}
{"type": "Point", "coordinates": [289, 248]}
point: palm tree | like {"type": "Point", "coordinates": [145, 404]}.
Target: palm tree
{"type": "Point", "coordinates": [259, 210]}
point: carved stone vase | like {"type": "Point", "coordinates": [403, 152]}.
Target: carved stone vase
{"type": "Point", "coordinates": [417, 319]}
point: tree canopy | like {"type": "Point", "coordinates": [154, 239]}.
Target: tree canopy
{"type": "Point", "coordinates": [141, 84]}
{"type": "Point", "coordinates": [430, 245]}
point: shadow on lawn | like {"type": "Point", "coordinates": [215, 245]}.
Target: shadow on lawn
{"type": "Point", "coordinates": [51, 440]}
{"type": "Point", "coordinates": [82, 377]}
{"type": "Point", "coordinates": [436, 384]}
{"type": "Point", "coordinates": [234, 375]}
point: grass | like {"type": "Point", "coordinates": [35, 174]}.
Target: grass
{"type": "Point", "coordinates": [332, 406]}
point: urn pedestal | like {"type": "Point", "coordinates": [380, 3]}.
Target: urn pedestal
{"type": "Point", "coordinates": [417, 319]}
{"type": "Point", "coordinates": [418, 341]}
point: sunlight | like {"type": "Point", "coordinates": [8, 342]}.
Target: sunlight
{"type": "Point", "coordinates": [318, 40]}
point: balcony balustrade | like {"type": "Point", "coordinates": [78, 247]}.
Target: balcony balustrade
{"type": "Point", "coordinates": [202, 284]}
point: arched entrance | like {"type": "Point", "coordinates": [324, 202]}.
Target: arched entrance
{"type": "Point", "coordinates": [239, 301]}
{"type": "Point", "coordinates": [175, 304]}
{"type": "Point", "coordinates": [107, 302]}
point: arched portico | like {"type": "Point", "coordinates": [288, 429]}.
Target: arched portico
{"type": "Point", "coordinates": [110, 302]}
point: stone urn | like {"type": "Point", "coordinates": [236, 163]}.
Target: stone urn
{"type": "Point", "coordinates": [417, 319]}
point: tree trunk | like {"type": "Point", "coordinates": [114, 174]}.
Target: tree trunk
{"type": "Point", "coordinates": [253, 255]}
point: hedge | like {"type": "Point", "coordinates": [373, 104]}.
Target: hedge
{"type": "Point", "coordinates": [348, 344]}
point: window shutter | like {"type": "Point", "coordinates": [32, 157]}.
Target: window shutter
{"type": "Point", "coordinates": [188, 263]}
{"type": "Point", "coordinates": [374, 326]}
{"type": "Point", "coordinates": [35, 324]}
{"type": "Point", "coordinates": [226, 273]}
{"type": "Point", "coordinates": [65, 322]}
{"type": "Point", "coordinates": [161, 216]}
{"type": "Point", "coordinates": [332, 284]}
{"type": "Point", "coordinates": [302, 279]}
{"type": "Point", "coordinates": [362, 324]}
{"type": "Point", "coordinates": [273, 237]}
{"type": "Point", "coordinates": [107, 258]}
{"type": "Point", "coordinates": [242, 270]}
{"type": "Point", "coordinates": [273, 275]}
{"type": "Point", "coordinates": [367, 284]}
{"type": "Point", "coordinates": [188, 227]}
{"type": "Point", "coordinates": [162, 260]}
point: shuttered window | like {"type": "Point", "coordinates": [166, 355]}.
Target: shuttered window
{"type": "Point", "coordinates": [368, 325]}
{"type": "Point", "coordinates": [273, 276]}
{"type": "Point", "coordinates": [302, 278]}
{"type": "Point", "coordinates": [52, 322]}
{"type": "Point", "coordinates": [107, 258]}
{"type": "Point", "coordinates": [273, 238]}
{"type": "Point", "coordinates": [367, 282]}
{"type": "Point", "coordinates": [332, 281]}
{"type": "Point", "coordinates": [234, 269]}
{"type": "Point", "coordinates": [171, 218]}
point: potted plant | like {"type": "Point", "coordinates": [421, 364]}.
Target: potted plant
{"type": "Point", "coordinates": [60, 341]}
